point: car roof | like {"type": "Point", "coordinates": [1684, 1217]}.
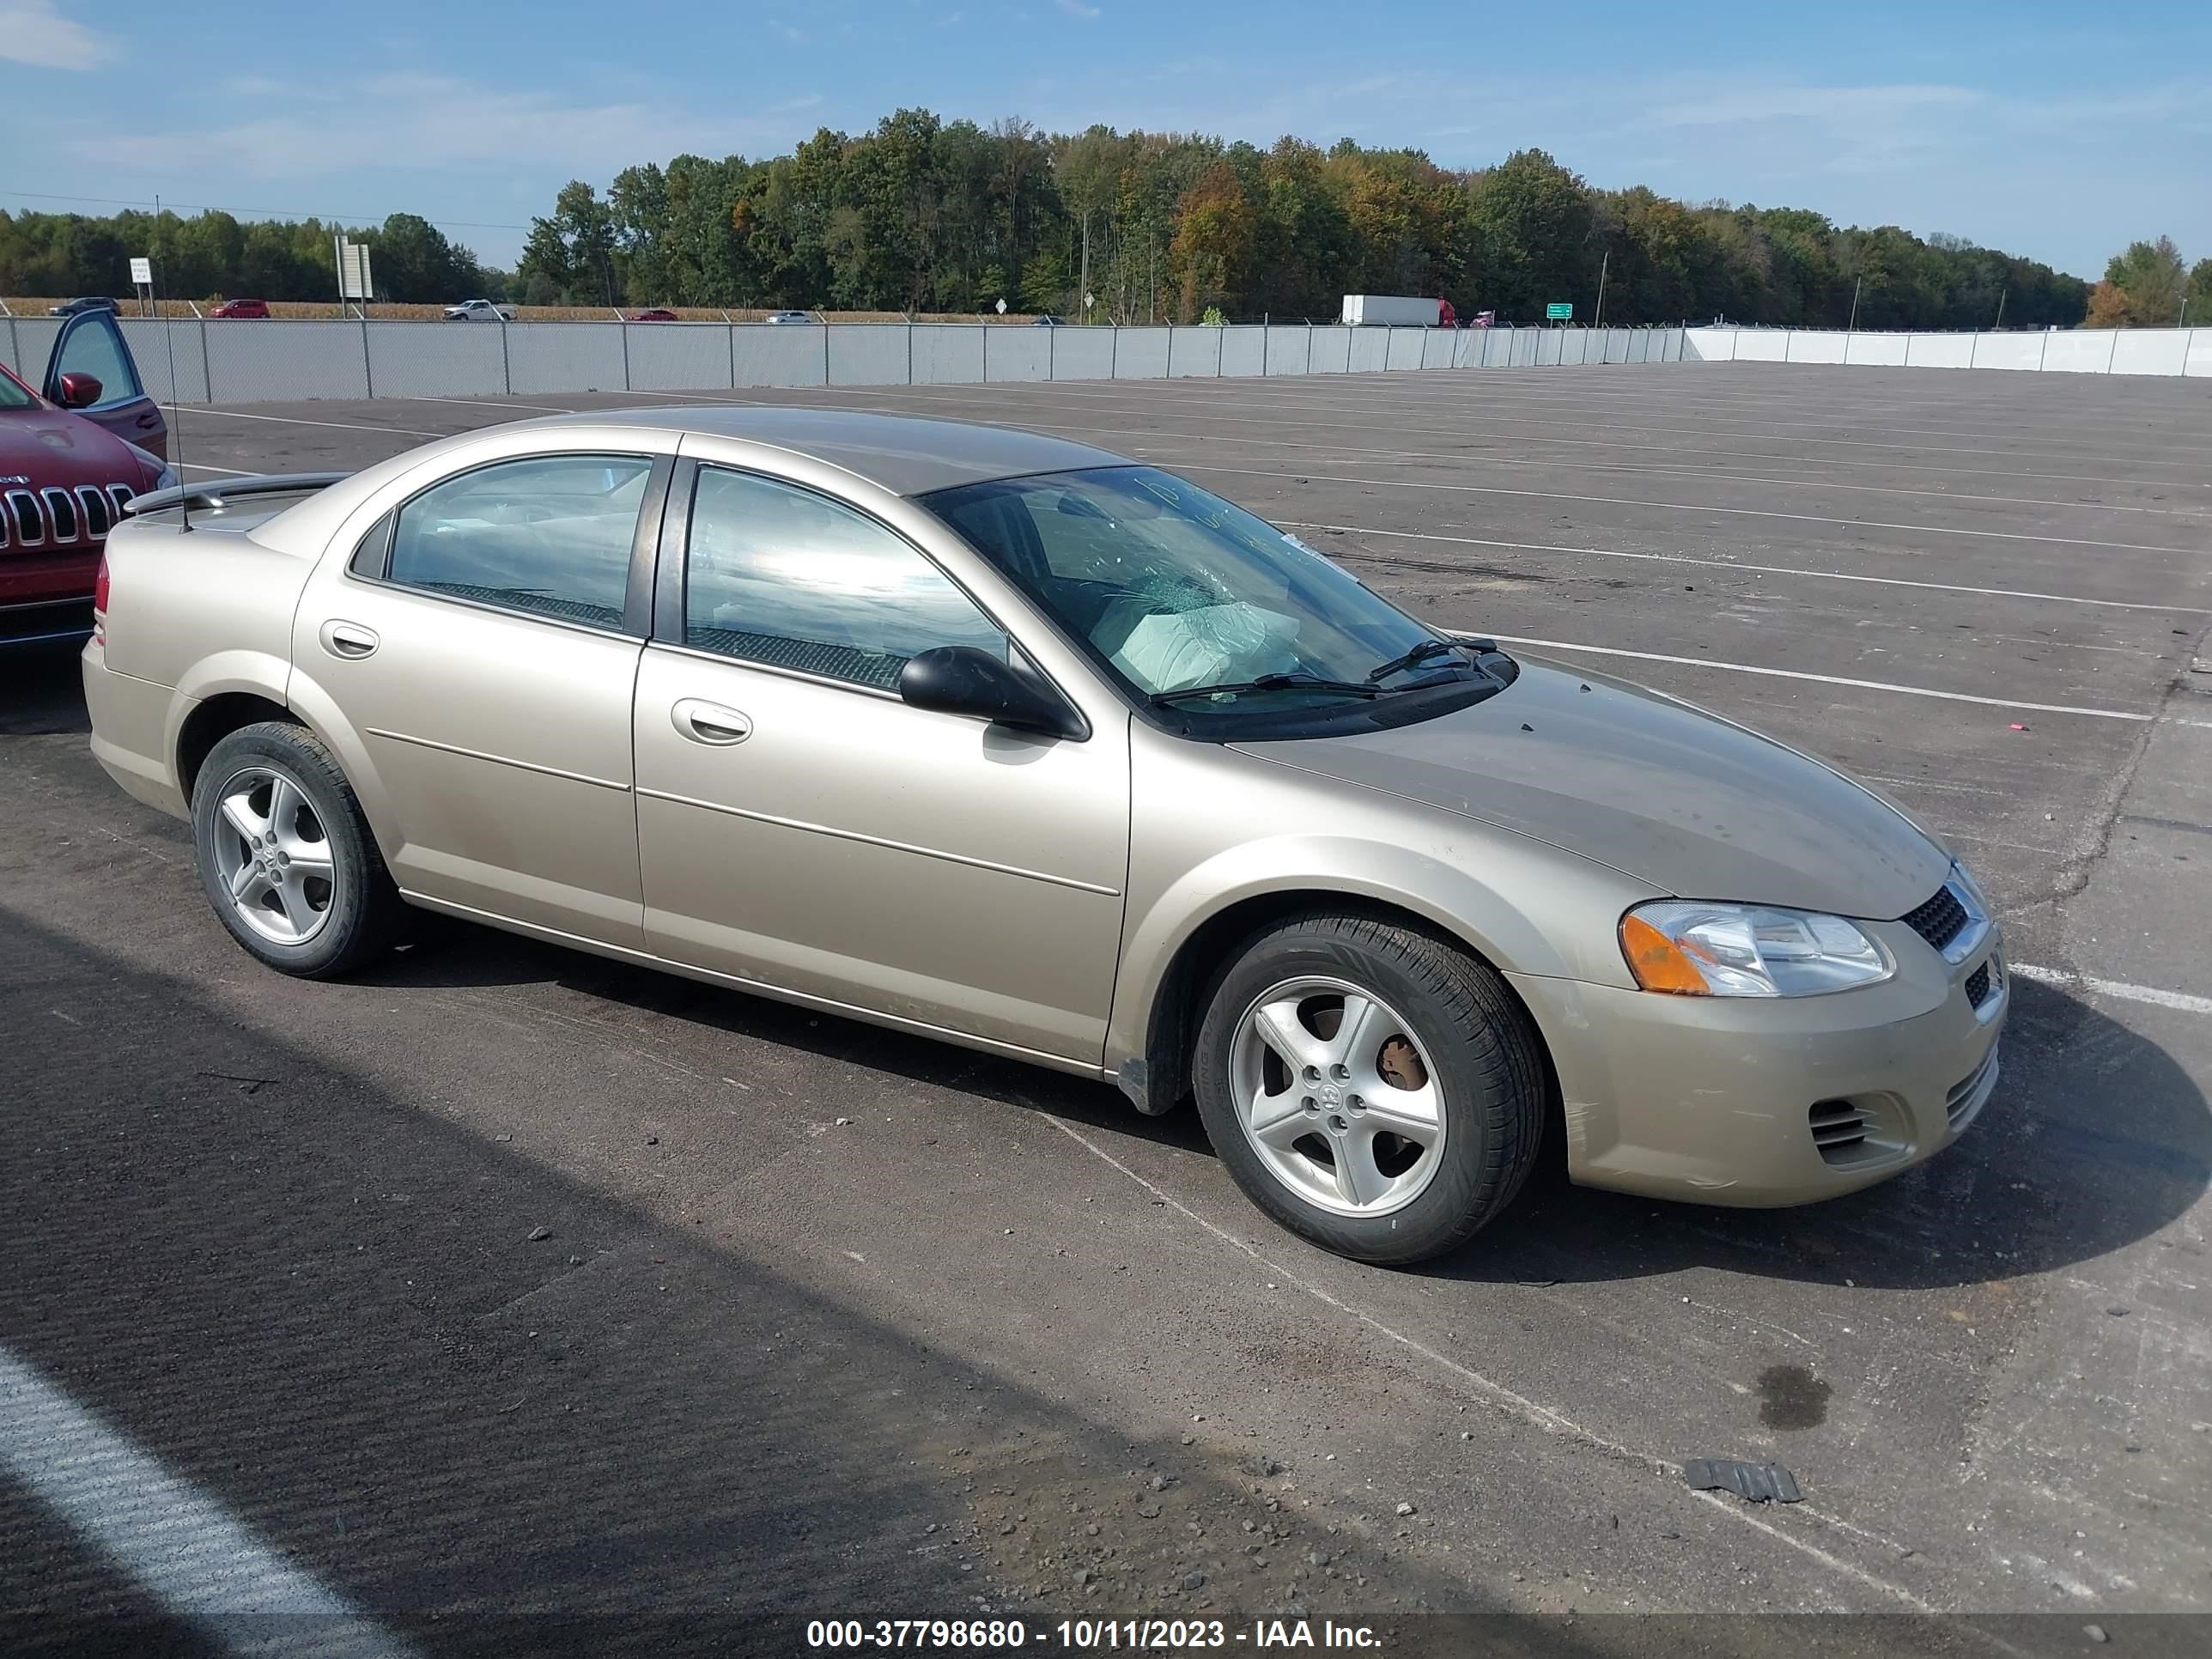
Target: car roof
{"type": "Point", "coordinates": [908, 455]}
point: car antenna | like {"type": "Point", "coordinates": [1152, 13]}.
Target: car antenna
{"type": "Point", "coordinates": [169, 339]}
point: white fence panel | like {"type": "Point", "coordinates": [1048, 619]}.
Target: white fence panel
{"type": "Point", "coordinates": [1143, 355]}
{"type": "Point", "coordinates": [1289, 350]}
{"type": "Point", "coordinates": [264, 360]}
{"type": "Point", "coordinates": [1939, 351]}
{"type": "Point", "coordinates": [1574, 344]}
{"type": "Point", "coordinates": [948, 353]}
{"type": "Point", "coordinates": [2151, 351]}
{"type": "Point", "coordinates": [1243, 352]}
{"type": "Point", "coordinates": [151, 341]}
{"type": "Point", "coordinates": [560, 357]}
{"type": "Point", "coordinates": [2079, 353]}
{"type": "Point", "coordinates": [414, 360]}
{"type": "Point", "coordinates": [2008, 350]}
{"type": "Point", "coordinates": [1012, 353]}
{"type": "Point", "coordinates": [1709, 345]}
{"type": "Point", "coordinates": [1193, 351]}
{"type": "Point", "coordinates": [28, 343]}
{"type": "Point", "coordinates": [1083, 354]}
{"type": "Point", "coordinates": [1402, 348]}
{"type": "Point", "coordinates": [868, 354]}
{"type": "Point", "coordinates": [679, 356]}
{"type": "Point", "coordinates": [1880, 350]}
{"type": "Point", "coordinates": [1437, 347]}
{"type": "Point", "coordinates": [1369, 350]}
{"type": "Point", "coordinates": [2200, 352]}
{"type": "Point", "coordinates": [1803, 346]}
{"type": "Point", "coordinates": [1762, 345]}
{"type": "Point", "coordinates": [772, 354]}
{"type": "Point", "coordinates": [1329, 349]}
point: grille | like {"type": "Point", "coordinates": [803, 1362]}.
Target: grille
{"type": "Point", "coordinates": [1940, 919]}
{"type": "Point", "coordinates": [1839, 1130]}
{"type": "Point", "coordinates": [1979, 984]}
{"type": "Point", "coordinates": [29, 524]}
{"type": "Point", "coordinates": [61, 513]}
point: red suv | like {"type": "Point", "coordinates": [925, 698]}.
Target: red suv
{"type": "Point", "coordinates": [241, 309]}
{"type": "Point", "coordinates": [68, 461]}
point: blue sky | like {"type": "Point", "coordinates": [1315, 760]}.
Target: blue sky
{"type": "Point", "coordinates": [2043, 129]}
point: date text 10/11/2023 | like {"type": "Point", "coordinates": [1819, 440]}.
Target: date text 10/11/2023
{"type": "Point", "coordinates": [1150, 1635]}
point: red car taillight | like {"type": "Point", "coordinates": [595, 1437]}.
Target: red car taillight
{"type": "Point", "coordinates": [99, 588]}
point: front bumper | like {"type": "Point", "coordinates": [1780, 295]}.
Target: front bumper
{"type": "Point", "coordinates": [1755, 1102]}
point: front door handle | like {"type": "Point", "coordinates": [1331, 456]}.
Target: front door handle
{"type": "Point", "coordinates": [345, 639]}
{"type": "Point", "coordinates": [709, 722]}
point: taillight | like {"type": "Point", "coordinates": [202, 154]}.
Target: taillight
{"type": "Point", "coordinates": [99, 588]}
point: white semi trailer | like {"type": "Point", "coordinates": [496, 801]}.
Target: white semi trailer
{"type": "Point", "coordinates": [1390, 311]}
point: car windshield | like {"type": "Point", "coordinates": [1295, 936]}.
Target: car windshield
{"type": "Point", "coordinates": [1174, 591]}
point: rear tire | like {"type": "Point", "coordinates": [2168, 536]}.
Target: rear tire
{"type": "Point", "coordinates": [285, 855]}
{"type": "Point", "coordinates": [1326, 1026]}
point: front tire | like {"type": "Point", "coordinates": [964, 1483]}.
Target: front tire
{"type": "Point", "coordinates": [1378, 1092]}
{"type": "Point", "coordinates": [285, 855]}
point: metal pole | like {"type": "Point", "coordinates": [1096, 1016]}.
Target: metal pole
{"type": "Point", "coordinates": [825, 351]}
{"type": "Point", "coordinates": [2112, 356]}
{"type": "Point", "coordinates": [505, 366]}
{"type": "Point", "coordinates": [1220, 339]}
{"type": "Point", "coordinates": [2006, 289]}
{"type": "Point", "coordinates": [1851, 327]}
{"type": "Point", "coordinates": [1051, 353]}
{"type": "Point", "coordinates": [1604, 266]}
{"type": "Point", "coordinates": [2044, 350]}
{"type": "Point", "coordinates": [731, 329]}
{"type": "Point", "coordinates": [909, 347]}
{"type": "Point", "coordinates": [624, 327]}
{"type": "Point", "coordinates": [207, 374]}
{"type": "Point", "coordinates": [987, 354]}
{"type": "Point", "coordinates": [368, 374]}
{"type": "Point", "coordinates": [1264, 315]}
{"type": "Point", "coordinates": [1114, 355]}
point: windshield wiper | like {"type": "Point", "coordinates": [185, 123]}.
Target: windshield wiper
{"type": "Point", "coordinates": [1298, 680]}
{"type": "Point", "coordinates": [1421, 653]}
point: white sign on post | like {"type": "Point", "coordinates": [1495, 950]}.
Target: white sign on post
{"type": "Point", "coordinates": [142, 273]}
{"type": "Point", "coordinates": [352, 272]}
{"type": "Point", "coordinates": [1002, 308]}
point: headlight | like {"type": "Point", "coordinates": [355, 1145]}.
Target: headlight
{"type": "Point", "coordinates": [166, 478]}
{"type": "Point", "coordinates": [1747, 950]}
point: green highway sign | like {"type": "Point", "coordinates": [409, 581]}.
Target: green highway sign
{"type": "Point", "coordinates": [1558, 310]}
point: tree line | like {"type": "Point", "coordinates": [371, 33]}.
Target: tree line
{"type": "Point", "coordinates": [924, 215]}
{"type": "Point", "coordinates": [214, 255]}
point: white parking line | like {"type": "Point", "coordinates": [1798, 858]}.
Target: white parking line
{"type": "Point", "coordinates": [2113, 987]}
{"type": "Point", "coordinates": [201, 466]}
{"type": "Point", "coordinates": [1730, 564]}
{"type": "Point", "coordinates": [294, 420]}
{"type": "Point", "coordinates": [198, 1561]}
{"type": "Point", "coordinates": [1837, 679]}
{"type": "Point", "coordinates": [1693, 507]}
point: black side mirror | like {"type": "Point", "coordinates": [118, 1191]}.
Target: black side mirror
{"type": "Point", "coordinates": [959, 679]}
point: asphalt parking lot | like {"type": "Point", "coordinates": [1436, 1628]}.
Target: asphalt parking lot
{"type": "Point", "coordinates": [514, 1298]}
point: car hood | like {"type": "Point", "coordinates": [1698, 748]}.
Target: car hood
{"type": "Point", "coordinates": [1695, 805]}
{"type": "Point", "coordinates": [52, 446]}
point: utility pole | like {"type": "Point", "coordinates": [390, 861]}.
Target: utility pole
{"type": "Point", "coordinates": [1084, 286]}
{"type": "Point", "coordinates": [1604, 265]}
{"type": "Point", "coordinates": [2000, 300]}
{"type": "Point", "coordinates": [1851, 327]}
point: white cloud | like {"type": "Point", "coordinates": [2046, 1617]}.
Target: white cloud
{"type": "Point", "coordinates": [1076, 9]}
{"type": "Point", "coordinates": [32, 32]}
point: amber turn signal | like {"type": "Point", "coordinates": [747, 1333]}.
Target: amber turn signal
{"type": "Point", "coordinates": [1658, 961]}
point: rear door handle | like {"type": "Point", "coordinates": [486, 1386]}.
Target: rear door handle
{"type": "Point", "coordinates": [709, 722]}
{"type": "Point", "coordinates": [345, 639]}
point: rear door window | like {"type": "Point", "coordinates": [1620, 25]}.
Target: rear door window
{"type": "Point", "coordinates": [550, 535]}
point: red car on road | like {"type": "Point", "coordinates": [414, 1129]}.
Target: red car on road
{"type": "Point", "coordinates": [241, 309]}
{"type": "Point", "coordinates": [71, 455]}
